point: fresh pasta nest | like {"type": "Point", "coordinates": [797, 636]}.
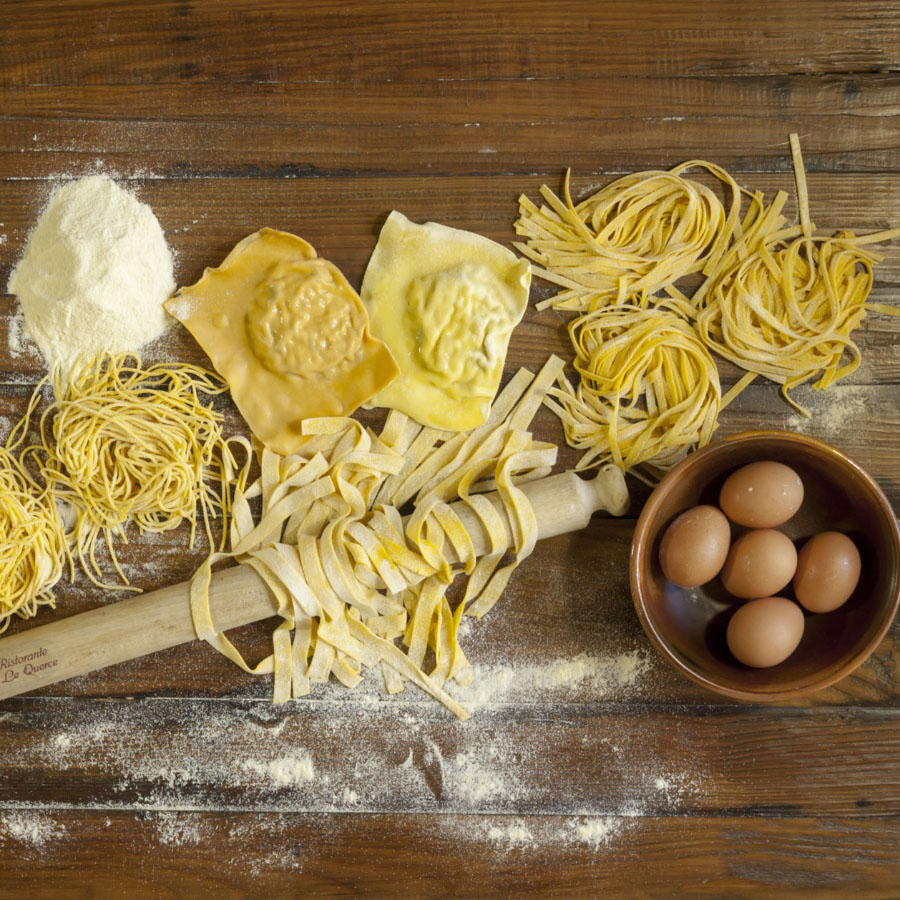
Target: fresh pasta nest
{"type": "Point", "coordinates": [121, 443]}
{"type": "Point", "coordinates": [649, 389]}
{"type": "Point", "coordinates": [784, 302]}
{"type": "Point", "coordinates": [637, 235]}
{"type": "Point", "coordinates": [787, 312]}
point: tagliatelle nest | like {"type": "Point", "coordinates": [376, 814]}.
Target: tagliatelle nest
{"type": "Point", "coordinates": [649, 388]}
{"type": "Point", "coordinates": [638, 234]}
{"type": "Point", "coordinates": [784, 303]}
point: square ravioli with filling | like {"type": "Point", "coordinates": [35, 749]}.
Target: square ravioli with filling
{"type": "Point", "coordinates": [288, 334]}
{"type": "Point", "coordinates": [445, 301]}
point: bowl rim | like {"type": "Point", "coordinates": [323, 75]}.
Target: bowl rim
{"type": "Point", "coordinates": [637, 555]}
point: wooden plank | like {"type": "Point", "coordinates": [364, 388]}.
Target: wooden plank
{"type": "Point", "coordinates": [341, 217]}
{"type": "Point", "coordinates": [143, 42]}
{"type": "Point", "coordinates": [206, 147]}
{"type": "Point", "coordinates": [490, 126]}
{"type": "Point", "coordinates": [448, 102]}
{"type": "Point", "coordinates": [407, 756]}
{"type": "Point", "coordinates": [234, 855]}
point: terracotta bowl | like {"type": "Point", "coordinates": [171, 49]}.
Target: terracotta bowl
{"type": "Point", "coordinates": [688, 625]}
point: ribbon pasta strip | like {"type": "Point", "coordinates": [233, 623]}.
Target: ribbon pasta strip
{"type": "Point", "coordinates": [638, 234]}
{"type": "Point", "coordinates": [357, 585]}
{"type": "Point", "coordinates": [121, 443]}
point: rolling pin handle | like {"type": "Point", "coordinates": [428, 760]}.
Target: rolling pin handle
{"type": "Point", "coordinates": [610, 490]}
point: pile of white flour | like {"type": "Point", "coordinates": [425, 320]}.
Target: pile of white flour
{"type": "Point", "coordinates": [95, 273]}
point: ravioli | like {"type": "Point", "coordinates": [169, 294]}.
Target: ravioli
{"type": "Point", "coordinates": [445, 302]}
{"type": "Point", "coordinates": [288, 334]}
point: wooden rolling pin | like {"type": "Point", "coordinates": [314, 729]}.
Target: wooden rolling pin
{"type": "Point", "coordinates": [238, 596]}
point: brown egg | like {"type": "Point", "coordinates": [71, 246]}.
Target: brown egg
{"type": "Point", "coordinates": [828, 568]}
{"type": "Point", "coordinates": [761, 494]}
{"type": "Point", "coordinates": [759, 564]}
{"type": "Point", "coordinates": [765, 632]}
{"type": "Point", "coordinates": [694, 546]}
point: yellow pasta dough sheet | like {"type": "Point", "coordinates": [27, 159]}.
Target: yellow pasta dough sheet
{"type": "Point", "coordinates": [287, 332]}
{"type": "Point", "coordinates": [445, 302]}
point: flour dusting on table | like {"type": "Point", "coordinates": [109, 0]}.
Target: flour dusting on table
{"type": "Point", "coordinates": [30, 828]}
{"type": "Point", "coordinates": [284, 771]}
{"type": "Point", "coordinates": [597, 677]}
{"type": "Point", "coordinates": [174, 761]}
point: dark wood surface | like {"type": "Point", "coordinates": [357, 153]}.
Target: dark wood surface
{"type": "Point", "coordinates": [173, 775]}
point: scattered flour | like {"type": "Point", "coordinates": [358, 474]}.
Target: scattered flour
{"type": "Point", "coordinates": [174, 760]}
{"type": "Point", "coordinates": [15, 337]}
{"type": "Point", "coordinates": [34, 829]}
{"type": "Point", "coordinates": [591, 676]}
{"type": "Point", "coordinates": [513, 835]}
{"type": "Point", "coordinates": [595, 832]}
{"type": "Point", "coordinates": [477, 780]}
{"type": "Point", "coordinates": [177, 829]}
{"type": "Point", "coordinates": [836, 409]}
{"type": "Point", "coordinates": [288, 770]}
{"type": "Point", "coordinates": [273, 832]}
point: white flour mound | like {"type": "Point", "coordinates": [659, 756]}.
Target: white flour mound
{"type": "Point", "coordinates": [94, 274]}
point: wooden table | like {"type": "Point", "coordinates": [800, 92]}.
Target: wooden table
{"type": "Point", "coordinates": [589, 768]}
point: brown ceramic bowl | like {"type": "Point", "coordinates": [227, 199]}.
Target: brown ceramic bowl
{"type": "Point", "coordinates": [688, 624]}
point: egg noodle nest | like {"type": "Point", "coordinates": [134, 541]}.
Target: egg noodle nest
{"type": "Point", "coordinates": [776, 300]}
{"type": "Point", "coordinates": [123, 444]}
